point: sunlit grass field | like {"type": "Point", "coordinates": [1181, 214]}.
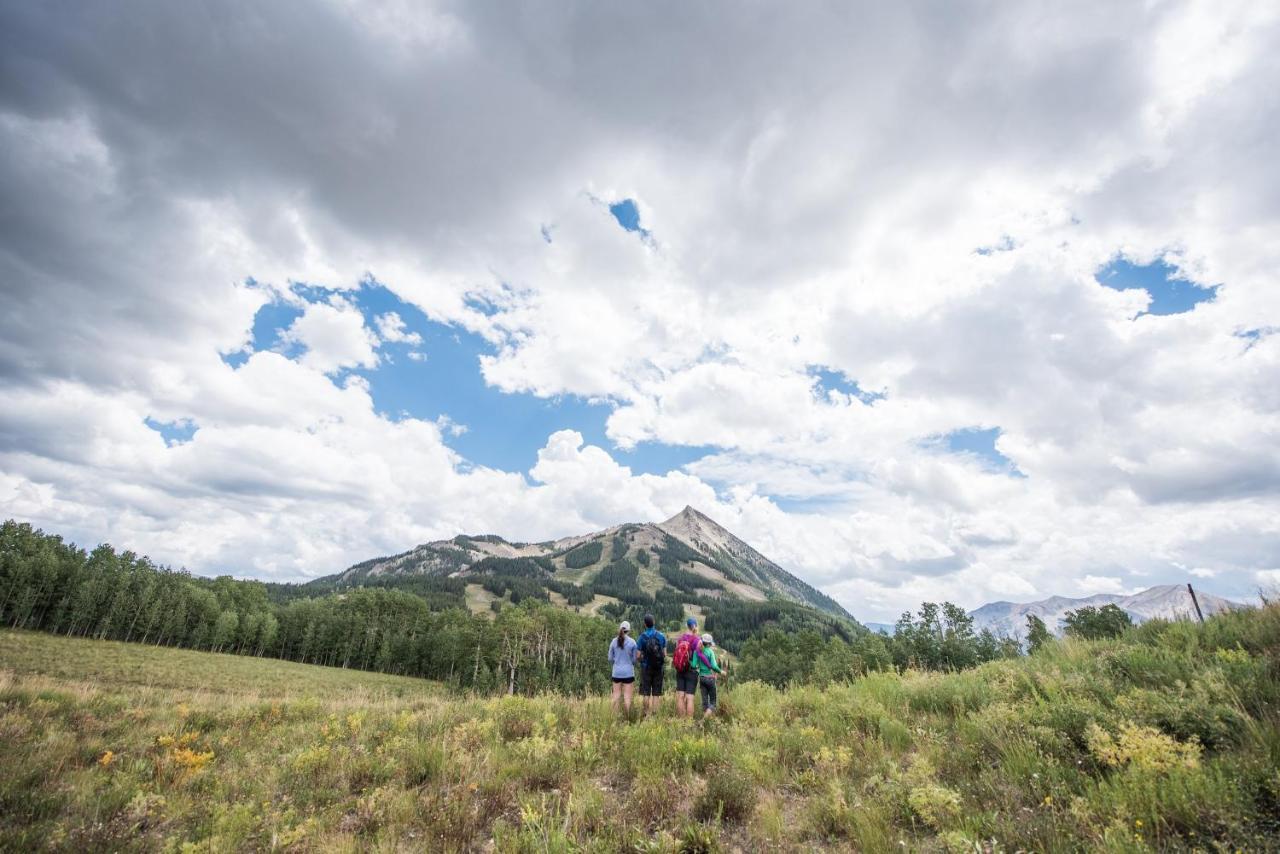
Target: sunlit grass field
{"type": "Point", "coordinates": [1167, 739]}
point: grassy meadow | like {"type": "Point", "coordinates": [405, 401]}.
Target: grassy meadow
{"type": "Point", "coordinates": [1166, 739]}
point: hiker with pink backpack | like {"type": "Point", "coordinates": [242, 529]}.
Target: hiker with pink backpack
{"type": "Point", "coordinates": [694, 667]}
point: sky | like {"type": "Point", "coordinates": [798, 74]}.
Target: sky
{"type": "Point", "coordinates": [924, 301]}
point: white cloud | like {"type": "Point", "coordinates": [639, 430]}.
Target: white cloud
{"type": "Point", "coordinates": [334, 336]}
{"type": "Point", "coordinates": [815, 196]}
{"type": "Point", "coordinates": [391, 328]}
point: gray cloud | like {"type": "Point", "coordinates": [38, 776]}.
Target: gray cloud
{"type": "Point", "coordinates": [816, 181]}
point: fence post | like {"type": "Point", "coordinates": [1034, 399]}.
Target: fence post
{"type": "Point", "coordinates": [1195, 602]}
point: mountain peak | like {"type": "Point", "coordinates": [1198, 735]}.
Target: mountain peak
{"type": "Point", "coordinates": [689, 514]}
{"type": "Point", "coordinates": [699, 530]}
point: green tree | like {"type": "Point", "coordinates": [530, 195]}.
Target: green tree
{"type": "Point", "coordinates": [1092, 623]}
{"type": "Point", "coordinates": [1037, 633]}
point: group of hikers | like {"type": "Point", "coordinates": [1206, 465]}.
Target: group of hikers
{"type": "Point", "coordinates": [693, 659]}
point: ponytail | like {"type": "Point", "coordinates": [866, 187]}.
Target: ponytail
{"type": "Point", "coordinates": [621, 636]}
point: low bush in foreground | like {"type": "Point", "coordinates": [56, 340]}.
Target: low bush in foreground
{"type": "Point", "coordinates": [1167, 738]}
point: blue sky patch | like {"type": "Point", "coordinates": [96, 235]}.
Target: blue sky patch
{"type": "Point", "coordinates": [442, 380]}
{"type": "Point", "coordinates": [627, 213]}
{"type": "Point", "coordinates": [1170, 294]}
{"type": "Point", "coordinates": [980, 443]}
{"type": "Point", "coordinates": [268, 325]}
{"type": "Point", "coordinates": [173, 432]}
{"type": "Point", "coordinates": [829, 380]}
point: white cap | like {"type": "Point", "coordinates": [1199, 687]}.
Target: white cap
{"type": "Point", "coordinates": [707, 639]}
{"type": "Point", "coordinates": [625, 626]}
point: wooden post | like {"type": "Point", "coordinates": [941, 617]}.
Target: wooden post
{"type": "Point", "coordinates": [1195, 602]}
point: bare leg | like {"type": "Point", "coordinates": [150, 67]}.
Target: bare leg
{"type": "Point", "coordinates": [627, 689]}
{"type": "Point", "coordinates": [617, 695]}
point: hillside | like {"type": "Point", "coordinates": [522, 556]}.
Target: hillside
{"type": "Point", "coordinates": [1168, 601]}
{"type": "Point", "coordinates": [688, 556]}
{"type": "Point", "coordinates": [1163, 740]}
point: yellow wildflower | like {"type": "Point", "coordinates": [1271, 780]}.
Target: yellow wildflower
{"type": "Point", "coordinates": [190, 759]}
{"type": "Point", "coordinates": [106, 758]}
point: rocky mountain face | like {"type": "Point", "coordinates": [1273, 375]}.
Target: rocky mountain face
{"type": "Point", "coordinates": [1168, 601]}
{"type": "Point", "coordinates": [690, 540]}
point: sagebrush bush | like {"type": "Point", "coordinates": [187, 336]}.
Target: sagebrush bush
{"type": "Point", "coordinates": [728, 796]}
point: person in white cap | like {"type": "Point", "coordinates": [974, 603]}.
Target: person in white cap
{"type": "Point", "coordinates": [708, 669]}
{"type": "Point", "coordinates": [622, 655]}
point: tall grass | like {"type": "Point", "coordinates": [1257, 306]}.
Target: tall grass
{"type": "Point", "coordinates": [1165, 739]}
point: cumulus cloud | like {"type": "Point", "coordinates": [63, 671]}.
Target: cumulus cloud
{"type": "Point", "coordinates": [333, 336]}
{"type": "Point", "coordinates": [391, 328]}
{"type": "Point", "coordinates": [917, 202]}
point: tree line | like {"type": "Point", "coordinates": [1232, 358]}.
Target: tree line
{"type": "Point", "coordinates": [50, 585]}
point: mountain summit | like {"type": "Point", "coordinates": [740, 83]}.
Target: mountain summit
{"type": "Point", "coordinates": [690, 553]}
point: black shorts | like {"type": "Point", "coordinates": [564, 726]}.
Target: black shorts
{"type": "Point", "coordinates": [687, 682]}
{"type": "Point", "coordinates": [624, 680]}
{"type": "Point", "coordinates": [651, 682]}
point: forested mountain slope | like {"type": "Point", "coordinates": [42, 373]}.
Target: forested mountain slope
{"type": "Point", "coordinates": [689, 559]}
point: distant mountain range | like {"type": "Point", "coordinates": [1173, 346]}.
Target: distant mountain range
{"type": "Point", "coordinates": [700, 548]}
{"type": "Point", "coordinates": [1167, 601]}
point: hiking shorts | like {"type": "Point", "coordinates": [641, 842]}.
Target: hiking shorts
{"type": "Point", "coordinates": [651, 681]}
{"type": "Point", "coordinates": [708, 693]}
{"type": "Point", "coordinates": [687, 682]}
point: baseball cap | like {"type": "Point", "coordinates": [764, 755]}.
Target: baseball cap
{"type": "Point", "coordinates": [691, 622]}
{"type": "Point", "coordinates": [708, 640]}
{"type": "Point", "coordinates": [625, 626]}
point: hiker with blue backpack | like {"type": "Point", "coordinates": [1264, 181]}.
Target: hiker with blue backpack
{"type": "Point", "coordinates": [686, 659]}
{"type": "Point", "coordinates": [653, 662]}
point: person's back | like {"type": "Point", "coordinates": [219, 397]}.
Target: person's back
{"type": "Point", "coordinates": [653, 659]}
{"type": "Point", "coordinates": [653, 648]}
{"type": "Point", "coordinates": [622, 657]}
{"type": "Point", "coordinates": [694, 642]}
{"type": "Point", "coordinates": [688, 647]}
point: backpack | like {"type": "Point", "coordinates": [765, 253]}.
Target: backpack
{"type": "Point", "coordinates": [683, 658]}
{"type": "Point", "coordinates": [653, 650]}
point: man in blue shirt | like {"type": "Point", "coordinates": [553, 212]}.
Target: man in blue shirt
{"type": "Point", "coordinates": [653, 660]}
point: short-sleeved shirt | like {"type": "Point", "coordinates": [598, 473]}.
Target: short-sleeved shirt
{"type": "Point", "coordinates": [623, 660]}
{"type": "Point", "coordinates": [644, 636]}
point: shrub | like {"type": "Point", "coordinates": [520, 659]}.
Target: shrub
{"type": "Point", "coordinates": [1143, 748]}
{"type": "Point", "coordinates": [729, 796]}
{"type": "Point", "coordinates": [936, 805]}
